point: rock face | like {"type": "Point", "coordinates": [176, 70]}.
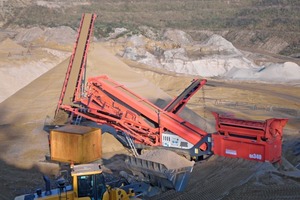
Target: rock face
{"type": "Point", "coordinates": [213, 58]}
{"type": "Point", "coordinates": [178, 36]}
{"type": "Point", "coordinates": [261, 40]}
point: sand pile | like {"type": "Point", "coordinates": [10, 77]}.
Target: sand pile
{"type": "Point", "coordinates": [275, 73]}
{"type": "Point", "coordinates": [169, 158]}
{"type": "Point", "coordinates": [101, 61]}
{"type": "Point", "coordinates": [19, 69]}
{"type": "Point", "coordinates": [19, 65]}
{"type": "Point", "coordinates": [9, 46]}
{"type": "Point", "coordinates": [217, 43]}
{"type": "Point", "coordinates": [28, 35]}
{"type": "Point", "coordinates": [214, 66]}
{"type": "Point", "coordinates": [61, 35]}
{"type": "Point", "coordinates": [110, 144]}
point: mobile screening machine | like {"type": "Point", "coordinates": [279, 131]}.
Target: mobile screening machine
{"type": "Point", "coordinates": [105, 101]}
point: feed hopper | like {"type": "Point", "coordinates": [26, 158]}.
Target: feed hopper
{"type": "Point", "coordinates": [162, 168]}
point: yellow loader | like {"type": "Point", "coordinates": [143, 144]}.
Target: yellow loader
{"type": "Point", "coordinates": [88, 184]}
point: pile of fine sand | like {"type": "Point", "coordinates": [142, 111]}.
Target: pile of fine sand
{"type": "Point", "coordinates": [19, 66]}
{"type": "Point", "coordinates": [169, 158]}
{"type": "Point", "coordinates": [110, 144]}
{"type": "Point", "coordinates": [272, 72]}
{"type": "Point", "coordinates": [8, 46]}
{"type": "Point", "coordinates": [61, 35]}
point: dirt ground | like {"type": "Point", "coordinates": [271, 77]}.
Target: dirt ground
{"type": "Point", "coordinates": [225, 178]}
{"type": "Point", "coordinates": [24, 143]}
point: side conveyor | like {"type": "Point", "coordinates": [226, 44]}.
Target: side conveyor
{"type": "Point", "coordinates": [179, 102]}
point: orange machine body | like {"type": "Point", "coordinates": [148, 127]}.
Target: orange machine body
{"type": "Point", "coordinates": [252, 140]}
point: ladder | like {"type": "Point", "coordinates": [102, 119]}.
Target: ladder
{"type": "Point", "coordinates": [78, 120]}
{"type": "Point", "coordinates": [131, 145]}
{"type": "Point", "coordinates": [79, 117]}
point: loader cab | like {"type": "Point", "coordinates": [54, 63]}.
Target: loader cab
{"type": "Point", "coordinates": [88, 181]}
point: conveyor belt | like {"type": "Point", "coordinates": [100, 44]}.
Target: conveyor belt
{"type": "Point", "coordinates": [179, 102]}
{"type": "Point", "coordinates": [77, 62]}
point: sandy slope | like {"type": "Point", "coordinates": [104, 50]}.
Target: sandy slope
{"type": "Point", "coordinates": [101, 61]}
{"type": "Point", "coordinates": [19, 66]}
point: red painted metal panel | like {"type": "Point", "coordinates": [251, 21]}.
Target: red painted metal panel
{"type": "Point", "coordinates": [252, 140]}
{"type": "Point", "coordinates": [229, 147]}
{"type": "Point", "coordinates": [109, 97]}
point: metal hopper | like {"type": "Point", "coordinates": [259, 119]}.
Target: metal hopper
{"type": "Point", "coordinates": [160, 173]}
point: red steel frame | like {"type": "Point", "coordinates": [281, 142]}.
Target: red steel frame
{"type": "Point", "coordinates": [111, 103]}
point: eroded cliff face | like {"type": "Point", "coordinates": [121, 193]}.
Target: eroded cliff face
{"type": "Point", "coordinates": [210, 56]}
